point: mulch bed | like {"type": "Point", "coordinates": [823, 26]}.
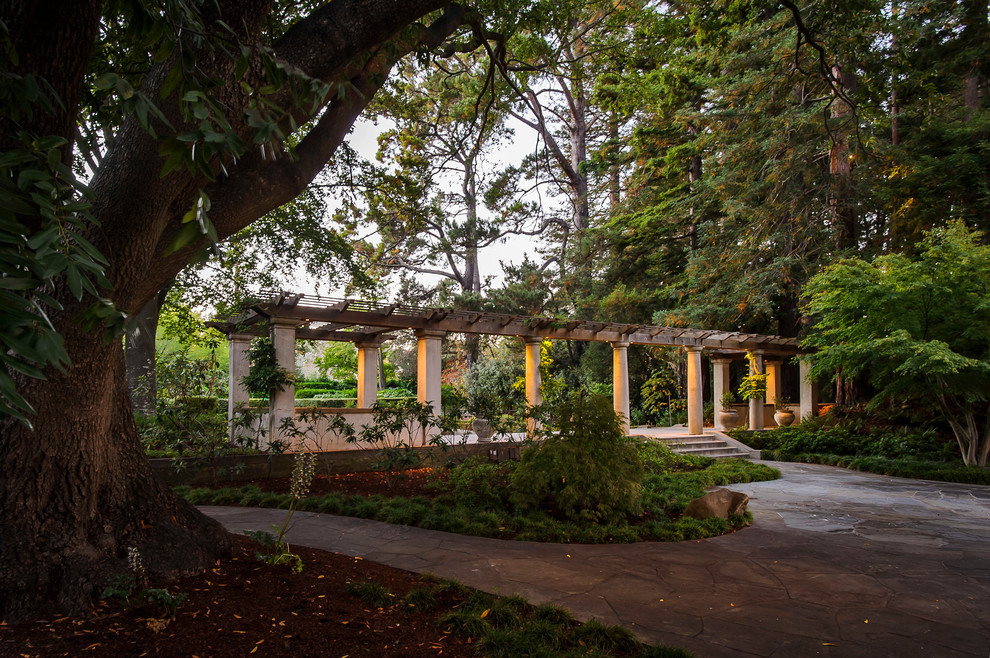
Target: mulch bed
{"type": "Point", "coordinates": [410, 484]}
{"type": "Point", "coordinates": [243, 607]}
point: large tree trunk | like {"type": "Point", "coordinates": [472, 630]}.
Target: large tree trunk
{"type": "Point", "coordinates": [139, 356]}
{"type": "Point", "coordinates": [843, 210]}
{"type": "Point", "coordinates": [77, 491]}
{"type": "Point", "coordinates": [974, 35]}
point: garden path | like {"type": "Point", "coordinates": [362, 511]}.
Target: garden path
{"type": "Point", "coordinates": [836, 563]}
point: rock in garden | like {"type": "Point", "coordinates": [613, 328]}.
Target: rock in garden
{"type": "Point", "coordinates": [720, 503]}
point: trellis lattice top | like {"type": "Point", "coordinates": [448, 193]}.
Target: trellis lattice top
{"type": "Point", "coordinates": [355, 320]}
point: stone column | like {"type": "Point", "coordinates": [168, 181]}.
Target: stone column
{"type": "Point", "coordinates": [428, 368]}
{"type": "Point", "coordinates": [283, 403]}
{"type": "Point", "coordinates": [809, 392]}
{"type": "Point", "coordinates": [773, 379]}
{"type": "Point", "coordinates": [720, 385]}
{"type": "Point", "coordinates": [695, 394]}
{"type": "Point", "coordinates": [238, 367]}
{"type": "Point", "coordinates": [756, 404]}
{"type": "Point", "coordinates": [620, 381]}
{"type": "Point", "coordinates": [533, 381]}
{"type": "Point", "coordinates": [367, 374]}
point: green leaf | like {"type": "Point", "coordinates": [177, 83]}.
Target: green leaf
{"type": "Point", "coordinates": [187, 236]}
{"type": "Point", "coordinates": [74, 279]}
{"type": "Point", "coordinates": [106, 81]}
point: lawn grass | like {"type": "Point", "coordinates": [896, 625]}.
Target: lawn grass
{"type": "Point", "coordinates": [475, 501]}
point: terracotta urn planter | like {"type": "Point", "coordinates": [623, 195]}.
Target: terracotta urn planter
{"type": "Point", "coordinates": [728, 418]}
{"type": "Point", "coordinates": [783, 417]}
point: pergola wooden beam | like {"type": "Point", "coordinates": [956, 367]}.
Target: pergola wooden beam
{"type": "Point", "coordinates": [366, 324]}
{"type": "Point", "coordinates": [384, 318]}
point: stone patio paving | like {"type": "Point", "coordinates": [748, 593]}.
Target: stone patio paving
{"type": "Point", "coordinates": [837, 563]}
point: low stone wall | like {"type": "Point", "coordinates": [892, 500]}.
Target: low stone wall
{"type": "Point", "coordinates": [238, 468]}
{"type": "Point", "coordinates": [321, 439]}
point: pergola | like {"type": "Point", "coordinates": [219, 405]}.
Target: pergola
{"type": "Point", "coordinates": [288, 316]}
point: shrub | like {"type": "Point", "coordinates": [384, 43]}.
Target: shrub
{"type": "Point", "coordinates": [491, 392]}
{"type": "Point", "coordinates": [586, 468]}
{"type": "Point", "coordinates": [392, 432]}
{"type": "Point", "coordinates": [479, 483]}
{"type": "Point", "coordinates": [853, 436]}
{"type": "Point", "coordinates": [658, 458]}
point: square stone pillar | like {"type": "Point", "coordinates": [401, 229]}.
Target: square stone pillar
{"type": "Point", "coordinates": [756, 404]}
{"type": "Point", "coordinates": [620, 381]}
{"type": "Point", "coordinates": [533, 377]}
{"type": "Point", "coordinates": [808, 392]}
{"type": "Point", "coordinates": [533, 381]}
{"type": "Point", "coordinates": [238, 367]}
{"type": "Point", "coordinates": [367, 374]}
{"type": "Point", "coordinates": [695, 394]}
{"type": "Point", "coordinates": [428, 368]}
{"type": "Point", "coordinates": [283, 403]}
{"type": "Point", "coordinates": [720, 385]}
{"type": "Point", "coordinates": [773, 380]}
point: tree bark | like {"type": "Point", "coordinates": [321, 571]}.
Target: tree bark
{"type": "Point", "coordinates": [77, 491]}
{"type": "Point", "coordinates": [57, 54]}
{"type": "Point", "coordinates": [843, 210]}
{"type": "Point", "coordinates": [139, 356]}
{"type": "Point", "coordinates": [974, 36]}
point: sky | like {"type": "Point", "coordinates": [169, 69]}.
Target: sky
{"type": "Point", "coordinates": [364, 139]}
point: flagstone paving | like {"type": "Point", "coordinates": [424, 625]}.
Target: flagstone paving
{"type": "Point", "coordinates": [836, 563]}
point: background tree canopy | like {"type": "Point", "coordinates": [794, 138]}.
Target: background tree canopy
{"type": "Point", "coordinates": [698, 162]}
{"type": "Point", "coordinates": [918, 327]}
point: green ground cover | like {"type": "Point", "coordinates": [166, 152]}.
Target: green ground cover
{"type": "Point", "coordinates": [509, 626]}
{"type": "Point", "coordinates": [478, 498]}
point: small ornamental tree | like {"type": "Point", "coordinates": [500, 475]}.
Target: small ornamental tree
{"type": "Point", "coordinates": [585, 467]}
{"type": "Point", "coordinates": [918, 327]}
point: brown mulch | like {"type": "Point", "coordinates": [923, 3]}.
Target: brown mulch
{"type": "Point", "coordinates": [410, 484]}
{"type": "Point", "coordinates": [243, 607]}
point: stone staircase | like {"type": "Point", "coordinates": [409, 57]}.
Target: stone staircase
{"type": "Point", "coordinates": [707, 445]}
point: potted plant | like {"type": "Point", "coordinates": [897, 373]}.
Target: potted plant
{"type": "Point", "coordinates": [782, 414]}
{"type": "Point", "coordinates": [728, 417]}
{"type": "Point", "coordinates": [753, 387]}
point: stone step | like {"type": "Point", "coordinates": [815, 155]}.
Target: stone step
{"type": "Point", "coordinates": [696, 443]}
{"type": "Point", "coordinates": [684, 439]}
{"type": "Point", "coordinates": [704, 445]}
{"type": "Point", "coordinates": [725, 451]}
{"type": "Point", "coordinates": [707, 444]}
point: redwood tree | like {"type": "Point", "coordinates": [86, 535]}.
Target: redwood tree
{"type": "Point", "coordinates": [201, 150]}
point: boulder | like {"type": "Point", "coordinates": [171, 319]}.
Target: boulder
{"type": "Point", "coordinates": [720, 503]}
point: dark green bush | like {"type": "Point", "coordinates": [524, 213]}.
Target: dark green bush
{"type": "Point", "coordinates": [479, 483]}
{"type": "Point", "coordinates": [585, 468]}
{"type": "Point", "coordinates": [658, 458]}
{"type": "Point", "coordinates": [826, 436]}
